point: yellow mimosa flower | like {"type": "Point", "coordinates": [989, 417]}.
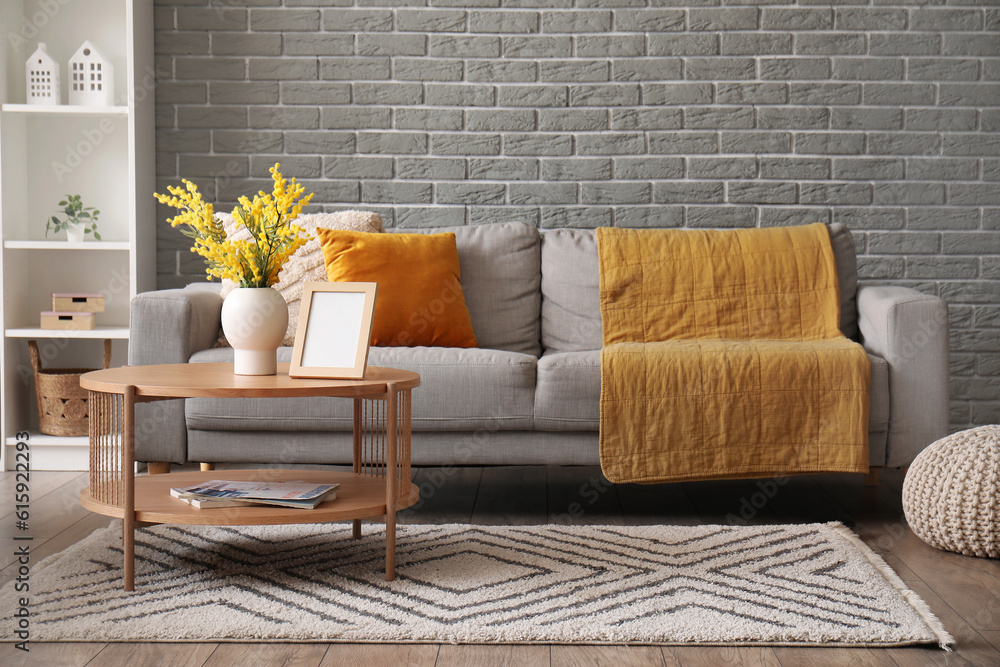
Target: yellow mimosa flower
{"type": "Point", "coordinates": [268, 217]}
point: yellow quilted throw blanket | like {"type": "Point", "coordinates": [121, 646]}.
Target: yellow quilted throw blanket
{"type": "Point", "coordinates": [723, 358]}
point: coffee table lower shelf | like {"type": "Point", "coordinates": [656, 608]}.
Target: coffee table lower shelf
{"type": "Point", "coordinates": [359, 497]}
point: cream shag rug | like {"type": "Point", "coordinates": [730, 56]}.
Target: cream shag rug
{"type": "Point", "coordinates": [815, 584]}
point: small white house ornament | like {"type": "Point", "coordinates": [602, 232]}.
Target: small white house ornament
{"type": "Point", "coordinates": [42, 77]}
{"type": "Point", "coordinates": [92, 78]}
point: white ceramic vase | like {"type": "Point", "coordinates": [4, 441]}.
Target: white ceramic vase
{"type": "Point", "coordinates": [254, 320]}
{"type": "Point", "coordinates": [75, 234]}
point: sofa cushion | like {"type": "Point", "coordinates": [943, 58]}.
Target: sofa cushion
{"type": "Point", "coordinates": [567, 397]}
{"type": "Point", "coordinates": [847, 274]}
{"type": "Point", "coordinates": [571, 309]}
{"type": "Point", "coordinates": [448, 449]}
{"type": "Point", "coordinates": [568, 394]}
{"type": "Point", "coordinates": [420, 299]}
{"type": "Point", "coordinates": [878, 394]}
{"type": "Point", "coordinates": [501, 277]}
{"type": "Point", "coordinates": [462, 389]}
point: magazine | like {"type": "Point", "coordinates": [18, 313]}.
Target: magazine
{"type": "Point", "coordinates": [227, 493]}
{"type": "Point", "coordinates": [207, 502]}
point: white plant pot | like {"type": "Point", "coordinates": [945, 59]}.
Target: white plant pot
{"type": "Point", "coordinates": [254, 320]}
{"type": "Point", "coordinates": [75, 234]}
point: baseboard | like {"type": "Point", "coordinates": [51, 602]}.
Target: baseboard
{"type": "Point", "coordinates": [51, 457]}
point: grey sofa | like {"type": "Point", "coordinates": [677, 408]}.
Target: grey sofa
{"type": "Point", "coordinates": [529, 394]}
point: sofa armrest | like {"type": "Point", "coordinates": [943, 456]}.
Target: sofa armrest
{"type": "Point", "coordinates": [909, 330]}
{"type": "Point", "coordinates": [167, 327]}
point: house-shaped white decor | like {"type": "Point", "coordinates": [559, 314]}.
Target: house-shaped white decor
{"type": "Point", "coordinates": [42, 78]}
{"type": "Point", "coordinates": [92, 80]}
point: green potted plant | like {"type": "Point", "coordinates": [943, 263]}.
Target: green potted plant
{"type": "Point", "coordinates": [80, 220]}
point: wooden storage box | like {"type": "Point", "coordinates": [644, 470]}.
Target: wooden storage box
{"type": "Point", "coordinates": [78, 302]}
{"type": "Point", "coordinates": [68, 320]}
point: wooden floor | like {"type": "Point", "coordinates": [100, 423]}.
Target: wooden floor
{"type": "Point", "coordinates": [964, 592]}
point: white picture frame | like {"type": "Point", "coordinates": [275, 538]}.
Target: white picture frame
{"type": "Point", "coordinates": [334, 332]}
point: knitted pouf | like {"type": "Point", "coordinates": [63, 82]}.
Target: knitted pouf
{"type": "Point", "coordinates": [951, 495]}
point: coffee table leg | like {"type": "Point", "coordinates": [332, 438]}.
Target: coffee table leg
{"type": "Point", "coordinates": [356, 457]}
{"type": "Point", "coordinates": [390, 546]}
{"type": "Point", "coordinates": [128, 477]}
{"type": "Point", "coordinates": [391, 479]}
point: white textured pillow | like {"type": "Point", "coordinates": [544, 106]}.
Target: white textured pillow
{"type": "Point", "coordinates": [306, 265]}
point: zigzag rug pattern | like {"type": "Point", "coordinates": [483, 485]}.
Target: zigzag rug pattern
{"type": "Point", "coordinates": [813, 584]}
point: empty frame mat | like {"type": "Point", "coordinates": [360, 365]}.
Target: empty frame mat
{"type": "Point", "coordinates": [335, 328]}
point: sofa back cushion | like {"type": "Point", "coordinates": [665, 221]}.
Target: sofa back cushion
{"type": "Point", "coordinates": [501, 279]}
{"type": "Point", "coordinates": [571, 307]}
{"type": "Point", "coordinates": [847, 273]}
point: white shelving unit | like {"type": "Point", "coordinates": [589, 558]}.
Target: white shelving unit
{"type": "Point", "coordinates": [105, 154]}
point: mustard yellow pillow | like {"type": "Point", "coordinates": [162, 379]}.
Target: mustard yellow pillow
{"type": "Point", "coordinates": [420, 299]}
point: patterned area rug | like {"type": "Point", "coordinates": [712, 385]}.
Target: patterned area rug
{"type": "Point", "coordinates": [814, 584]}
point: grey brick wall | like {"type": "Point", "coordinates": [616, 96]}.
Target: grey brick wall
{"type": "Point", "coordinates": [882, 114]}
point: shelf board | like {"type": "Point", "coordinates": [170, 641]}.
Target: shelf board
{"type": "Point", "coordinates": [100, 332]}
{"type": "Point", "coordinates": [66, 245]}
{"type": "Point", "coordinates": [37, 439]}
{"type": "Point", "coordinates": [72, 109]}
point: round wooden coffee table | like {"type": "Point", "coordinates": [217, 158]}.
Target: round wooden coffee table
{"type": "Point", "coordinates": [379, 485]}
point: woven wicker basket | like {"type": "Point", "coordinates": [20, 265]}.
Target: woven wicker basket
{"type": "Point", "coordinates": [62, 403]}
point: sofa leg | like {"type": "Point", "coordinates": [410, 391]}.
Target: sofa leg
{"type": "Point", "coordinates": [155, 468]}
{"type": "Point", "coordinates": [206, 467]}
{"type": "Point", "coordinates": [871, 477]}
